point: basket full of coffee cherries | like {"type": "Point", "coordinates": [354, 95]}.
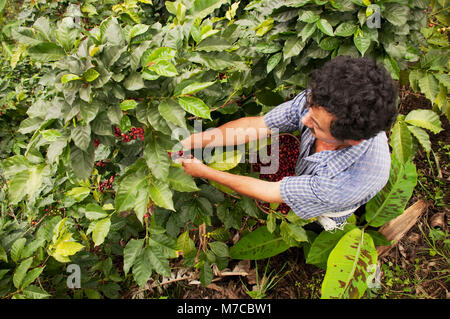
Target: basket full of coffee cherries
{"type": "Point", "coordinates": [287, 159]}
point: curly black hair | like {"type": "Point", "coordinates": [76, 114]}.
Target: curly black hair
{"type": "Point", "coordinates": [359, 93]}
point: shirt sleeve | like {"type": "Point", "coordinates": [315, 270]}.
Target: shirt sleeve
{"type": "Point", "coordinates": [286, 116]}
{"type": "Point", "coordinates": [306, 196]}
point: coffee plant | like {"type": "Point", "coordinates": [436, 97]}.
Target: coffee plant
{"type": "Point", "coordinates": [96, 95]}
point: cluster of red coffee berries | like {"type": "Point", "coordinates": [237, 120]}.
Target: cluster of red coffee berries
{"type": "Point", "coordinates": [287, 160]}
{"type": "Point", "coordinates": [100, 164]}
{"type": "Point", "coordinates": [96, 142]}
{"type": "Point", "coordinates": [222, 76]}
{"type": "Point", "coordinates": [441, 30]}
{"type": "Point", "coordinates": [136, 132]}
{"type": "Point", "coordinates": [107, 184]}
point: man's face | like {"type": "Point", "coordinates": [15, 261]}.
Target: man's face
{"type": "Point", "coordinates": [318, 120]}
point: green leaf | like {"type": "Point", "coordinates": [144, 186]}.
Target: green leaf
{"type": "Point", "coordinates": [82, 162]}
{"type": "Point", "coordinates": [68, 248]}
{"type": "Point", "coordinates": [158, 261]}
{"type": "Point", "coordinates": [308, 31]}
{"type": "Point", "coordinates": [396, 14]}
{"type": "Point", "coordinates": [259, 244]}
{"type": "Point", "coordinates": [271, 223]}
{"type": "Point", "coordinates": [390, 202]}
{"type": "Point", "coordinates": [195, 87]}
{"type": "Point", "coordinates": [94, 211]}
{"type": "Point", "coordinates": [128, 186]}
{"type": "Point", "coordinates": [142, 269]}
{"type": "Point", "coordinates": [171, 111]}
{"type": "Point", "coordinates": [16, 249]}
{"type": "Point", "coordinates": [329, 43]}
{"type": "Point", "coordinates": [35, 292]}
{"type": "Point", "coordinates": [149, 58]}
{"type": "Point", "coordinates": [31, 276]}
{"type": "Point", "coordinates": [324, 244]}
{"type": "Point", "coordinates": [292, 47]}
{"type": "Point", "coordinates": [348, 266]}
{"type": "Point", "coordinates": [325, 27]}
{"type": "Point", "coordinates": [273, 61]}
{"type": "Point", "coordinates": [131, 251]}
{"type": "Point", "coordinates": [3, 255]}
{"type": "Point", "coordinates": [70, 77]}
{"type": "Point", "coordinates": [46, 52]}
{"type": "Point", "coordinates": [202, 8]}
{"type": "Point", "coordinates": [160, 194]}
{"type": "Point", "coordinates": [429, 86]}
{"type": "Point", "coordinates": [422, 136]}
{"type": "Point", "coordinates": [213, 43]}
{"type": "Point", "coordinates": [362, 42]}
{"type": "Point", "coordinates": [101, 230]}
{"type": "Point", "coordinates": [434, 59]}
{"type": "Point", "coordinates": [90, 75]}
{"type": "Point", "coordinates": [180, 181]}
{"type": "Point", "coordinates": [426, 119]}
{"type": "Point", "coordinates": [156, 157]}
{"type": "Point", "coordinates": [81, 136]}
{"type": "Point", "coordinates": [308, 16]}
{"type": "Point", "coordinates": [138, 29]}
{"type": "Point", "coordinates": [206, 274]}
{"type": "Point", "coordinates": [219, 248]}
{"type": "Point", "coordinates": [21, 271]}
{"type": "Point", "coordinates": [195, 106]}
{"type": "Point", "coordinates": [51, 135]}
{"type": "Point", "coordinates": [79, 193]}
{"type": "Point", "coordinates": [224, 161]}
{"type": "Point", "coordinates": [164, 68]}
{"type": "Point", "coordinates": [128, 105]}
{"type": "Point", "coordinates": [401, 141]}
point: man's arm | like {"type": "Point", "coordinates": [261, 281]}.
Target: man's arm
{"type": "Point", "coordinates": [245, 185]}
{"type": "Point", "coordinates": [236, 132]}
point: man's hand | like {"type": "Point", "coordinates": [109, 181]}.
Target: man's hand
{"type": "Point", "coordinates": [193, 166]}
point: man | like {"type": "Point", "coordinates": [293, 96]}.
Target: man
{"type": "Point", "coordinates": [344, 156]}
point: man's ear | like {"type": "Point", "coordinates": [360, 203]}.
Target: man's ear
{"type": "Point", "coordinates": [353, 142]}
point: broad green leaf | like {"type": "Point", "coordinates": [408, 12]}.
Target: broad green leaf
{"type": "Point", "coordinates": [27, 182]}
{"type": "Point", "coordinates": [264, 27]}
{"type": "Point", "coordinates": [3, 255]}
{"type": "Point", "coordinates": [202, 8]}
{"type": "Point", "coordinates": [349, 265]}
{"type": "Point", "coordinates": [297, 232]}
{"type": "Point", "coordinates": [185, 243]}
{"type": "Point", "coordinates": [90, 75]}
{"type": "Point", "coordinates": [16, 249]}
{"type": "Point", "coordinates": [390, 202]}
{"type": "Point", "coordinates": [401, 141]}
{"type": "Point", "coordinates": [325, 27]}
{"type": "Point", "coordinates": [444, 79]}
{"type": "Point", "coordinates": [273, 61]}
{"type": "Point", "coordinates": [324, 244]}
{"type": "Point", "coordinates": [46, 52]}
{"type": "Point", "coordinates": [142, 269]}
{"type": "Point", "coordinates": [149, 58]}
{"type": "Point", "coordinates": [156, 157]}
{"type": "Point", "coordinates": [134, 82]}
{"type": "Point", "coordinates": [206, 274]}
{"type": "Point", "coordinates": [219, 248]}
{"type": "Point", "coordinates": [308, 16]}
{"type": "Point", "coordinates": [138, 29]}
{"type": "Point", "coordinates": [329, 43]}
{"type": "Point", "coordinates": [128, 187]}
{"type": "Point", "coordinates": [292, 47]}
{"type": "Point", "coordinates": [195, 87]}
{"type": "Point", "coordinates": [94, 211]}
{"type": "Point", "coordinates": [429, 86]}
{"type": "Point", "coordinates": [79, 193]}
{"type": "Point", "coordinates": [164, 68]}
{"type": "Point", "coordinates": [51, 135]}
{"type": "Point", "coordinates": [158, 261]}
{"type": "Point", "coordinates": [434, 59]}
{"type": "Point", "coordinates": [101, 230]}
{"type": "Point", "coordinates": [128, 105]}
{"type": "Point", "coordinates": [195, 106]}
{"type": "Point", "coordinates": [82, 162]}
{"type": "Point", "coordinates": [131, 251]}
{"type": "Point", "coordinates": [362, 43]}
{"type": "Point", "coordinates": [307, 31]}
{"type": "Point", "coordinates": [180, 181]}
{"type": "Point", "coordinates": [271, 223]}
{"type": "Point", "coordinates": [213, 43]}
{"type": "Point", "coordinates": [426, 119]}
{"type": "Point", "coordinates": [35, 292]}
{"type": "Point", "coordinates": [66, 33]}
{"type": "Point", "coordinates": [70, 77]}
{"type": "Point", "coordinates": [224, 161]}
{"type": "Point", "coordinates": [21, 271]}
{"type": "Point", "coordinates": [161, 194]}
{"type": "Point", "coordinates": [171, 111]}
{"type": "Point", "coordinates": [259, 244]}
{"type": "Point", "coordinates": [68, 248]}
{"type": "Point", "coordinates": [31, 276]}
{"type": "Point", "coordinates": [396, 14]}
{"type": "Point", "coordinates": [422, 136]}
{"type": "Point", "coordinates": [81, 136]}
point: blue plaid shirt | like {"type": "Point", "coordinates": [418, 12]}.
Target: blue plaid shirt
{"type": "Point", "coordinates": [329, 181]}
